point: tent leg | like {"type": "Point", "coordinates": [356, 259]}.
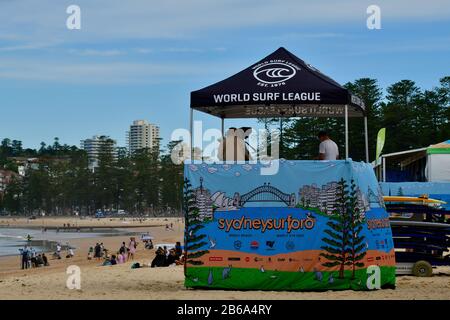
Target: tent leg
{"type": "Point", "coordinates": [346, 131]}
{"type": "Point", "coordinates": [384, 169]}
{"type": "Point", "coordinates": [366, 139]}
{"type": "Point", "coordinates": [222, 127]}
{"type": "Point", "coordinates": [191, 131]}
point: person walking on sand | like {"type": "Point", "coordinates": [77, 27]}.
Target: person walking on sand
{"type": "Point", "coordinates": [24, 253]}
{"type": "Point", "coordinates": [97, 251]}
{"type": "Point", "coordinates": [328, 149]}
{"type": "Point", "coordinates": [132, 248]}
{"type": "Point", "coordinates": [123, 250]}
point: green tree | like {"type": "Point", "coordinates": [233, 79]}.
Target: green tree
{"type": "Point", "coordinates": [171, 177]}
{"type": "Point", "coordinates": [370, 92]}
{"type": "Point", "coordinates": [356, 248]}
{"type": "Point", "coordinates": [399, 116]}
{"type": "Point", "coordinates": [339, 233]}
{"type": "Point", "coordinates": [105, 182]}
{"type": "Point", "coordinates": [12, 199]}
{"type": "Point", "coordinates": [193, 241]}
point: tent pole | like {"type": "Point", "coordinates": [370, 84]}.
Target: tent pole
{"type": "Point", "coordinates": [346, 131]}
{"type": "Point", "coordinates": [366, 139]}
{"type": "Point", "coordinates": [191, 131]}
{"type": "Point", "coordinates": [222, 127]}
{"type": "Point", "coordinates": [384, 169]}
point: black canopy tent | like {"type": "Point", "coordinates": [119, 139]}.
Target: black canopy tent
{"type": "Point", "coordinates": [279, 85]}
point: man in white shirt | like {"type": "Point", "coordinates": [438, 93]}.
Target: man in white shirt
{"type": "Point", "coordinates": [328, 149]}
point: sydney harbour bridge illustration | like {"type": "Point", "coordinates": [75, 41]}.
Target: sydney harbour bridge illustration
{"type": "Point", "coordinates": [264, 193]}
{"type": "Point", "coordinates": [321, 197]}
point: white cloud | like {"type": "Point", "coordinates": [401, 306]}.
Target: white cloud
{"type": "Point", "coordinates": [94, 52]}
{"type": "Point", "coordinates": [26, 46]}
{"type": "Point", "coordinates": [144, 50]}
{"type": "Point", "coordinates": [99, 72]}
{"type": "Point", "coordinates": [143, 19]}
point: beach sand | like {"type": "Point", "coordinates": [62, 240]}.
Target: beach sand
{"type": "Point", "coordinates": [122, 282]}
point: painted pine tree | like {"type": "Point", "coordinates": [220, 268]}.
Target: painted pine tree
{"type": "Point", "coordinates": [356, 248]}
{"type": "Point", "coordinates": [337, 242]}
{"type": "Point", "coordinates": [193, 241]}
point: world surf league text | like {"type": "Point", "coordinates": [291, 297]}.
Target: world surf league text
{"type": "Point", "coordinates": [290, 223]}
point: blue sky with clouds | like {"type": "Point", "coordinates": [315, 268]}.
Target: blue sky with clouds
{"type": "Point", "coordinates": [140, 59]}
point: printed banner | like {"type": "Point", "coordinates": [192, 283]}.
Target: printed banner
{"type": "Point", "coordinates": [315, 225]}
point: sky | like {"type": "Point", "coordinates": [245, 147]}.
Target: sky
{"type": "Point", "coordinates": [140, 59]}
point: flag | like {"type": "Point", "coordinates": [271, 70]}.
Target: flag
{"type": "Point", "coordinates": [381, 137]}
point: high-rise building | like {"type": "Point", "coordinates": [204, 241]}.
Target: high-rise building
{"type": "Point", "coordinates": [97, 145]}
{"type": "Point", "coordinates": [142, 135]}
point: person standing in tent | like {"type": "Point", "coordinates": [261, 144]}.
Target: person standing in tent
{"type": "Point", "coordinates": [328, 149]}
{"type": "Point", "coordinates": [233, 146]}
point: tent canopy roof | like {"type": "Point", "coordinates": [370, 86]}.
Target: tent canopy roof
{"type": "Point", "coordinates": [279, 85]}
{"type": "Point", "coordinates": [442, 148]}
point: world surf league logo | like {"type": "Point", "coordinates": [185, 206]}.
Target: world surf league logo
{"type": "Point", "coordinates": [274, 73]}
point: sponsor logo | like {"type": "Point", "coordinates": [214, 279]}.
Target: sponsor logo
{"type": "Point", "coordinates": [215, 258]}
{"type": "Point", "coordinates": [290, 245]}
{"type": "Point", "coordinates": [281, 259]}
{"type": "Point", "coordinates": [238, 245]}
{"type": "Point", "coordinates": [370, 259]}
{"type": "Point", "coordinates": [258, 259]}
{"type": "Point", "coordinates": [292, 260]}
{"type": "Point", "coordinates": [270, 244]}
{"type": "Point", "coordinates": [247, 259]}
{"type": "Point", "coordinates": [274, 72]}
{"type": "Point", "coordinates": [254, 244]}
{"type": "Point", "coordinates": [234, 259]}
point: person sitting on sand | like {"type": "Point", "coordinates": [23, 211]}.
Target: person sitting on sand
{"type": "Point", "coordinates": [178, 249]}
{"type": "Point", "coordinates": [58, 251]}
{"type": "Point", "coordinates": [120, 258]}
{"type": "Point", "coordinates": [106, 262]}
{"type": "Point", "coordinates": [45, 260]}
{"type": "Point", "coordinates": [171, 258]}
{"type": "Point", "coordinates": [90, 253]}
{"type": "Point", "coordinates": [39, 261]}
{"type": "Point", "coordinates": [160, 258]}
{"type": "Point", "coordinates": [70, 253]}
{"type": "Point", "coordinates": [113, 260]}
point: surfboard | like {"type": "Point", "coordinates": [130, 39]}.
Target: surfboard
{"type": "Point", "coordinates": [419, 224]}
{"type": "Point", "coordinates": [412, 199]}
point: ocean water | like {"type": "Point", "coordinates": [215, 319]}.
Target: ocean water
{"type": "Point", "coordinates": [12, 239]}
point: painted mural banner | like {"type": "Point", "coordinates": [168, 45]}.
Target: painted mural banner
{"type": "Point", "coordinates": [315, 225]}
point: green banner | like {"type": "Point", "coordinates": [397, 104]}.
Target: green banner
{"type": "Point", "coordinates": [381, 137]}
